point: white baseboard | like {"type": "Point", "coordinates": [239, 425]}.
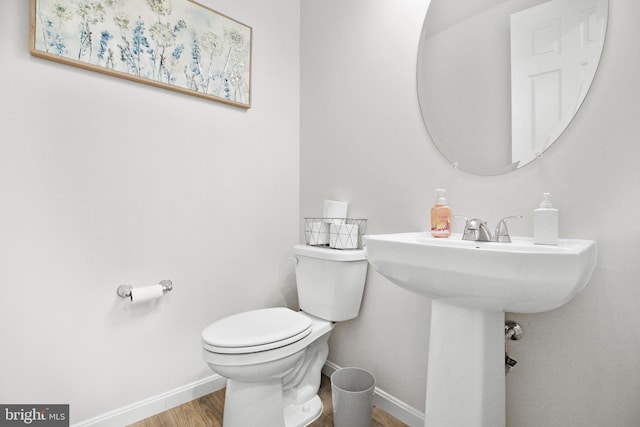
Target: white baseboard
{"type": "Point", "coordinates": [383, 400]}
{"type": "Point", "coordinates": [154, 405]}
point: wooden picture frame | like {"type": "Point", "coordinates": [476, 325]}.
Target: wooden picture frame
{"type": "Point", "coordinates": [173, 44]}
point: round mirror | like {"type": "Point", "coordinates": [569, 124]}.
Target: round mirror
{"type": "Point", "coordinates": [500, 80]}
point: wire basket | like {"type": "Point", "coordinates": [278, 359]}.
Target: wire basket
{"type": "Point", "coordinates": [335, 233]}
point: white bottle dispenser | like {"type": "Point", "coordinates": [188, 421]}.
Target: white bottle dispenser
{"type": "Point", "coordinates": [545, 223]}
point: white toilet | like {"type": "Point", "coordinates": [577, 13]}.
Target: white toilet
{"type": "Point", "coordinates": [273, 357]}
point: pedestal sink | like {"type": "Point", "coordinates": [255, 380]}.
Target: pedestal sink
{"type": "Point", "coordinates": [472, 285]}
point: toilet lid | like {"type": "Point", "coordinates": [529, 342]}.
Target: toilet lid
{"type": "Point", "coordinates": [256, 330]}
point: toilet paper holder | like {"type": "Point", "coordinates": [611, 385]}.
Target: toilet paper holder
{"type": "Point", "coordinates": [124, 291]}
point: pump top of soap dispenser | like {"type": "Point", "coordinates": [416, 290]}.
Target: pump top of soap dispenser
{"type": "Point", "coordinates": [546, 203]}
{"type": "Point", "coordinates": [441, 198]}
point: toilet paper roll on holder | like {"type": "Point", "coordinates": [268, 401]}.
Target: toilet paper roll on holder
{"type": "Point", "coordinates": [124, 291]}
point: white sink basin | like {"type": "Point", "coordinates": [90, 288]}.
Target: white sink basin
{"type": "Point", "coordinates": [472, 285]}
{"type": "Point", "coordinates": [517, 277]}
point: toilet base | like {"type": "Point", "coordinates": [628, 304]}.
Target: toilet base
{"type": "Point", "coordinates": [302, 415]}
{"type": "Point", "coordinates": [253, 404]}
{"type": "Point", "coordinates": [261, 404]}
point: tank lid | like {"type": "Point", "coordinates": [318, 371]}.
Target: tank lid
{"type": "Point", "coordinates": [330, 254]}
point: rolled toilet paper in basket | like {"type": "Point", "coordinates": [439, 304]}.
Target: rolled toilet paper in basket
{"type": "Point", "coordinates": [146, 293]}
{"type": "Point", "coordinates": [343, 236]}
{"type": "Point", "coordinates": [317, 233]}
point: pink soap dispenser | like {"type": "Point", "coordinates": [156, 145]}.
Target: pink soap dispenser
{"type": "Point", "coordinates": [440, 215]}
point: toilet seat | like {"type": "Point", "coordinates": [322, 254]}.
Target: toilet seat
{"type": "Point", "coordinates": [255, 331]}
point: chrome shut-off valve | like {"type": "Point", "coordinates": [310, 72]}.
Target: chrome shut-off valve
{"type": "Point", "coordinates": [512, 332]}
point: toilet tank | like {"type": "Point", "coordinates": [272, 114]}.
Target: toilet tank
{"type": "Point", "coordinates": [330, 281]}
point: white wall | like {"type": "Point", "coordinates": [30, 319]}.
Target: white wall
{"type": "Point", "coordinates": [363, 141]}
{"type": "Point", "coordinates": [105, 181]}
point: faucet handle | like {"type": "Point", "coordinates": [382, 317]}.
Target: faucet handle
{"type": "Point", "coordinates": [501, 234]}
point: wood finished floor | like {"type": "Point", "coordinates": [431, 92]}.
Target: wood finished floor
{"type": "Point", "coordinates": [207, 412]}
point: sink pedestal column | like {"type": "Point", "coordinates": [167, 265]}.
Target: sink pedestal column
{"type": "Point", "coordinates": [465, 376]}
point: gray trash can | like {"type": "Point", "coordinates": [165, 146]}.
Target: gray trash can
{"type": "Point", "coordinates": [352, 397]}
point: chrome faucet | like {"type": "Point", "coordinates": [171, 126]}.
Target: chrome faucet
{"type": "Point", "coordinates": [477, 230]}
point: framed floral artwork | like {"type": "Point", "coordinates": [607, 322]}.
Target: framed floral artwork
{"type": "Point", "coordinates": [173, 44]}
